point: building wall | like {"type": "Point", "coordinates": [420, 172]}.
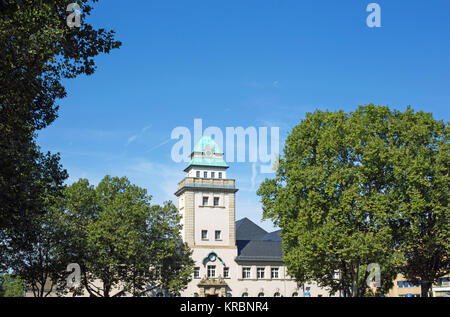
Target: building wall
{"type": "Point", "coordinates": [403, 287]}
{"type": "Point", "coordinates": [192, 172]}
{"type": "Point", "coordinates": [237, 286]}
{"type": "Point", "coordinates": [212, 218]}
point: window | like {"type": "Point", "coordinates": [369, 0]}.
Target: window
{"type": "Point", "coordinates": [245, 272]}
{"type": "Point", "coordinates": [245, 294]}
{"type": "Point", "coordinates": [406, 284]}
{"type": "Point", "coordinates": [220, 174]}
{"type": "Point", "coordinates": [260, 272]}
{"type": "Point", "coordinates": [277, 294]}
{"type": "Point", "coordinates": [216, 201]}
{"type": "Point", "coordinates": [204, 234]}
{"type": "Point", "coordinates": [211, 271]}
{"type": "Point", "coordinates": [274, 272]}
{"type": "Point", "coordinates": [205, 201]}
{"type": "Point", "coordinates": [197, 174]}
{"type": "Point", "coordinates": [295, 294]}
{"type": "Point", "coordinates": [196, 272]}
{"type": "Point", "coordinates": [205, 174]}
{"type": "Point", "coordinates": [226, 272]}
{"type": "Point", "coordinates": [444, 281]}
{"type": "Point", "coordinates": [261, 294]}
{"type": "Point", "coordinates": [217, 234]}
{"type": "Point", "coordinates": [212, 175]}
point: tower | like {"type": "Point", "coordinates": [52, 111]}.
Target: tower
{"type": "Point", "coordinates": [206, 199]}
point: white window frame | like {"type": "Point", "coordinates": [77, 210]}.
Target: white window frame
{"type": "Point", "coordinates": [272, 271]}
{"type": "Point", "coordinates": [196, 272]}
{"type": "Point", "coordinates": [211, 271]}
{"type": "Point", "coordinates": [246, 272]}
{"type": "Point", "coordinates": [260, 270]}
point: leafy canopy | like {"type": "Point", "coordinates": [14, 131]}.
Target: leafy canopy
{"type": "Point", "coordinates": [342, 195]}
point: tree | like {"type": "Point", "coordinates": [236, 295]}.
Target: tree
{"type": "Point", "coordinates": [329, 198]}
{"type": "Point", "coordinates": [421, 160]}
{"type": "Point", "coordinates": [11, 286]}
{"type": "Point", "coordinates": [38, 51]}
{"type": "Point", "coordinates": [175, 263]}
{"type": "Point", "coordinates": [35, 184]}
{"type": "Point", "coordinates": [42, 264]}
{"type": "Point", "coordinates": [121, 242]}
{"type": "Point", "coordinates": [369, 186]}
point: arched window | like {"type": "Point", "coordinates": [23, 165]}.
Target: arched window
{"type": "Point", "coordinates": [245, 294]}
{"type": "Point", "coordinates": [195, 294]}
{"type": "Point", "coordinates": [295, 294]}
{"type": "Point", "coordinates": [261, 294]}
{"type": "Point", "coordinates": [277, 294]}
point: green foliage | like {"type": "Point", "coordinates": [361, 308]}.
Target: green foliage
{"type": "Point", "coordinates": [38, 51]}
{"type": "Point", "coordinates": [421, 160]}
{"type": "Point", "coordinates": [340, 194]}
{"type": "Point", "coordinates": [11, 286]}
{"type": "Point", "coordinates": [122, 241]}
{"type": "Point", "coordinates": [43, 261]}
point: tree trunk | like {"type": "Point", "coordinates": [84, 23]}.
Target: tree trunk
{"type": "Point", "coordinates": [425, 288]}
{"type": "Point", "coordinates": [355, 286]}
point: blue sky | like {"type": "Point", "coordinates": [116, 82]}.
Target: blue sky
{"type": "Point", "coordinates": [241, 63]}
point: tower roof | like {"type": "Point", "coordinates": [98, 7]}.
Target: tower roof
{"type": "Point", "coordinates": [206, 153]}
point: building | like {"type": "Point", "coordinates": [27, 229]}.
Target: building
{"type": "Point", "coordinates": [232, 258]}
{"type": "Point", "coordinates": [405, 288]}
{"type": "Point", "coordinates": [442, 287]}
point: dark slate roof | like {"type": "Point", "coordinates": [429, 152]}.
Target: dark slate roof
{"type": "Point", "coordinates": [273, 236]}
{"type": "Point", "coordinates": [248, 230]}
{"type": "Point", "coordinates": [256, 244]}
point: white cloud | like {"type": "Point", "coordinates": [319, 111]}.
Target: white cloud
{"type": "Point", "coordinates": [159, 145]}
{"type": "Point", "coordinates": [131, 139]}
{"type": "Point", "coordinates": [138, 135]}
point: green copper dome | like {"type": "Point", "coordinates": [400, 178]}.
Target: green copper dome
{"type": "Point", "coordinates": [203, 144]}
{"type": "Point", "coordinates": [203, 154]}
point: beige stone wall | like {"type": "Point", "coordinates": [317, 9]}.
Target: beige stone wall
{"type": "Point", "coordinates": [284, 285]}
